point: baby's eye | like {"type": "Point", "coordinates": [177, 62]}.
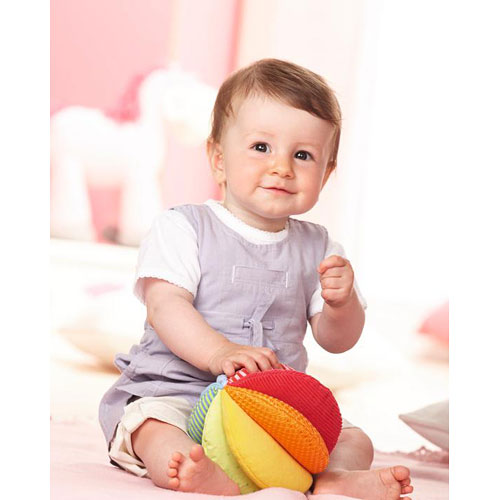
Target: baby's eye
{"type": "Point", "coordinates": [303, 155]}
{"type": "Point", "coordinates": [261, 147]}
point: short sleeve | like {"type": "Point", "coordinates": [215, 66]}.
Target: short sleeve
{"type": "Point", "coordinates": [316, 303]}
{"type": "Point", "coordinates": [169, 252]}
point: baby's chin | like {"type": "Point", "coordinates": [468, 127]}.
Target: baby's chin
{"type": "Point", "coordinates": [271, 215]}
{"type": "Point", "coordinates": [275, 213]}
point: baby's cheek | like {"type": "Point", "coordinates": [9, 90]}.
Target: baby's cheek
{"type": "Point", "coordinates": [308, 199]}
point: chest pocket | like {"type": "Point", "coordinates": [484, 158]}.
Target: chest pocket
{"type": "Point", "coordinates": [267, 278]}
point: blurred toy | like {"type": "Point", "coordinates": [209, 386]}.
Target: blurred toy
{"type": "Point", "coordinates": [436, 324]}
{"type": "Point", "coordinates": [91, 150]}
{"type": "Point", "coordinates": [267, 429]}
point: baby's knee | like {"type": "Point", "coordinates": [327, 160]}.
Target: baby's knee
{"type": "Point", "coordinates": [355, 437]}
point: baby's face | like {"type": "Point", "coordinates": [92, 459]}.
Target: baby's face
{"type": "Point", "coordinates": [273, 159]}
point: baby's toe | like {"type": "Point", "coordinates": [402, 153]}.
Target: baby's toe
{"type": "Point", "coordinates": [406, 489]}
{"type": "Point", "coordinates": [173, 483]}
{"type": "Point", "coordinates": [172, 472]}
{"type": "Point", "coordinates": [196, 453]}
{"type": "Point", "coordinates": [400, 472]}
{"type": "Point", "coordinates": [177, 456]}
{"type": "Point", "coordinates": [405, 482]}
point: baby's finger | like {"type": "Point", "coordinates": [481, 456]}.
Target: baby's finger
{"type": "Point", "coordinates": [248, 362]}
{"type": "Point", "coordinates": [334, 272]}
{"type": "Point", "coordinates": [333, 282]}
{"type": "Point", "coordinates": [262, 361]}
{"type": "Point", "coordinates": [273, 359]}
{"type": "Point", "coordinates": [336, 296]}
{"type": "Point", "coordinates": [332, 295]}
{"type": "Point", "coordinates": [228, 368]}
{"type": "Point", "coordinates": [331, 261]}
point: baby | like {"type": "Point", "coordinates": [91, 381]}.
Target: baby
{"type": "Point", "coordinates": [232, 284]}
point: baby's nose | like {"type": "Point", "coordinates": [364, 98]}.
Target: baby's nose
{"type": "Point", "coordinates": [282, 166]}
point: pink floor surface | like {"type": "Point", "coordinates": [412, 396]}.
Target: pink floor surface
{"type": "Point", "coordinates": [80, 470]}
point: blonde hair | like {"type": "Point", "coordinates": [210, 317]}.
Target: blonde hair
{"type": "Point", "coordinates": [283, 80]}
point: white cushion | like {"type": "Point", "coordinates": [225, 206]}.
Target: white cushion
{"type": "Point", "coordinates": [431, 422]}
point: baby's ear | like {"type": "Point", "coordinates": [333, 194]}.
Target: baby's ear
{"type": "Point", "coordinates": [216, 159]}
{"type": "Point", "coordinates": [330, 167]}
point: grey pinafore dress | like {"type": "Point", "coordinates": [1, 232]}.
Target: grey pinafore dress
{"type": "Point", "coordinates": [253, 294]}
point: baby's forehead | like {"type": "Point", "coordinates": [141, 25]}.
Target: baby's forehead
{"type": "Point", "coordinates": [257, 100]}
{"type": "Point", "coordinates": [269, 113]}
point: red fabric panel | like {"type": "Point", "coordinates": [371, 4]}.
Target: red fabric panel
{"type": "Point", "coordinates": [302, 392]}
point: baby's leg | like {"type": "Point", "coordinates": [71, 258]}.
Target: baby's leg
{"type": "Point", "coordinates": [175, 462]}
{"type": "Point", "coordinates": [348, 471]}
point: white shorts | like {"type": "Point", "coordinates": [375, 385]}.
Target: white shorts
{"type": "Point", "coordinates": [169, 409]}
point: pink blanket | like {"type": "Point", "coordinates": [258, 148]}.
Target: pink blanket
{"type": "Point", "coordinates": [80, 470]}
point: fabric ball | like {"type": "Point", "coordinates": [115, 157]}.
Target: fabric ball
{"type": "Point", "coordinates": [267, 429]}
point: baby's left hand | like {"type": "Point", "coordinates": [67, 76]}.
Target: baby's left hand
{"type": "Point", "coordinates": [337, 280]}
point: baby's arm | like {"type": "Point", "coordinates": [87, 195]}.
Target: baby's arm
{"type": "Point", "coordinates": [184, 331]}
{"type": "Point", "coordinates": [338, 327]}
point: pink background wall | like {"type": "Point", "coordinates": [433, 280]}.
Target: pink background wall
{"type": "Point", "coordinates": [203, 41]}
{"type": "Point", "coordinates": [96, 47]}
{"type": "Point", "coordinates": [99, 48]}
{"type": "Point", "coordinates": [204, 37]}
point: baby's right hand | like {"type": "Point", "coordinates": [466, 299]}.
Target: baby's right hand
{"type": "Point", "coordinates": [231, 357]}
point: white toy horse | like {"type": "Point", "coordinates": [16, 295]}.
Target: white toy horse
{"type": "Point", "coordinates": [90, 149]}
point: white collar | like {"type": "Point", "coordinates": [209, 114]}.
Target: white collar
{"type": "Point", "coordinates": [250, 233]}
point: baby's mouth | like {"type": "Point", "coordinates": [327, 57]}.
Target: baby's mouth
{"type": "Point", "coordinates": [277, 190]}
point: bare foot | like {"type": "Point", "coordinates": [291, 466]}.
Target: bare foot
{"type": "Point", "coordinates": [197, 473]}
{"type": "Point", "coordinates": [376, 484]}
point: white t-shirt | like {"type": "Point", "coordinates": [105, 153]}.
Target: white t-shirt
{"type": "Point", "coordinates": [170, 252]}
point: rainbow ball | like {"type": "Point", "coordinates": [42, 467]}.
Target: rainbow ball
{"type": "Point", "coordinates": [267, 429]}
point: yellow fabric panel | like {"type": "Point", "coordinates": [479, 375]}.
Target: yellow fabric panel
{"type": "Point", "coordinates": [286, 425]}
{"type": "Point", "coordinates": [263, 460]}
{"type": "Point", "coordinates": [217, 449]}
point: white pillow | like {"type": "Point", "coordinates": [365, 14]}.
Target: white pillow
{"type": "Point", "coordinates": [431, 422]}
{"type": "Point", "coordinates": [106, 322]}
